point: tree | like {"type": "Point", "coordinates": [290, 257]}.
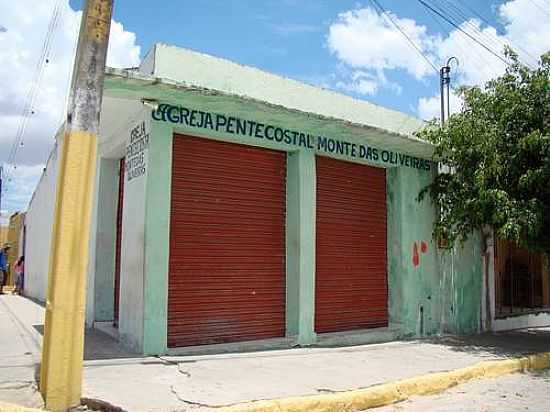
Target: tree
{"type": "Point", "coordinates": [497, 149]}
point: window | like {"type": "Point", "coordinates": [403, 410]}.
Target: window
{"type": "Point", "coordinates": [522, 283]}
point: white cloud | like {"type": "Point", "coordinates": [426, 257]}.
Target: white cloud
{"type": "Point", "coordinates": [365, 82]}
{"type": "Point", "coordinates": [361, 85]}
{"type": "Point", "coordinates": [527, 27]}
{"type": "Point", "coordinates": [430, 107]}
{"type": "Point", "coordinates": [20, 187]}
{"type": "Point", "coordinates": [477, 65]}
{"type": "Point", "coordinates": [362, 38]}
{"type": "Point", "coordinates": [368, 43]}
{"type": "Point", "coordinates": [123, 50]}
{"type": "Point", "coordinates": [24, 24]}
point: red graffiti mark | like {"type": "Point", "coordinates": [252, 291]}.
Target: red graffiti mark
{"type": "Point", "coordinates": [423, 247]}
{"type": "Point", "coordinates": [416, 258]}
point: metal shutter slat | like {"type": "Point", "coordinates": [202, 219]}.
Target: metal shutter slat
{"type": "Point", "coordinates": [227, 243]}
{"type": "Point", "coordinates": [351, 289]}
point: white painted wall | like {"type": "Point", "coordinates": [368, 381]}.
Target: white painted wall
{"type": "Point", "coordinates": [147, 66]}
{"type": "Point", "coordinates": [132, 269]}
{"type": "Point", "coordinates": [39, 223]}
{"type": "Point", "coordinates": [534, 320]}
{"type": "Point", "coordinates": [188, 66]}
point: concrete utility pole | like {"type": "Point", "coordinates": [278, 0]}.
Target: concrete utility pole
{"type": "Point", "coordinates": [444, 83]}
{"type": "Point", "coordinates": [63, 346]}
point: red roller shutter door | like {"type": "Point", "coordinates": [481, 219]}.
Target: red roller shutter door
{"type": "Point", "coordinates": [227, 243]}
{"type": "Point", "coordinates": [351, 265]}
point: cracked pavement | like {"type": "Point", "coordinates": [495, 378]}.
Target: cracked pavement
{"type": "Point", "coordinates": [119, 378]}
{"type": "Point", "coordinates": [19, 355]}
{"type": "Point", "coordinates": [186, 383]}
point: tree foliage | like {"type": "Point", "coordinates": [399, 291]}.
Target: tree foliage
{"type": "Point", "coordinates": [497, 150]}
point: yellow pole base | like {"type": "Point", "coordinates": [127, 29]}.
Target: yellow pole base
{"type": "Point", "coordinates": [63, 346]}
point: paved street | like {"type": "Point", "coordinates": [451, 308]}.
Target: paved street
{"type": "Point", "coordinates": [19, 350]}
{"type": "Point", "coordinates": [512, 393]}
{"type": "Point", "coordinates": [183, 383]}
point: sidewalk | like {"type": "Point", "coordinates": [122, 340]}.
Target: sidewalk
{"type": "Point", "coordinates": [19, 351]}
{"type": "Point", "coordinates": [186, 383]}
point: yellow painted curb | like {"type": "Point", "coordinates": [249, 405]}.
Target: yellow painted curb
{"type": "Point", "coordinates": [388, 393]}
{"type": "Point", "coordinates": [11, 407]}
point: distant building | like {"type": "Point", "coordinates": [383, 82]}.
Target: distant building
{"type": "Point", "coordinates": [3, 234]}
{"type": "Point", "coordinates": [16, 239]}
{"type": "Point", "coordinates": [241, 209]}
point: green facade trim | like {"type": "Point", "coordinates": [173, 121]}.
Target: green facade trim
{"type": "Point", "coordinates": [105, 240]}
{"type": "Point", "coordinates": [462, 279]}
{"type": "Point", "coordinates": [440, 291]}
{"type": "Point", "coordinates": [245, 108]}
{"type": "Point", "coordinates": [157, 239]}
{"type": "Point", "coordinates": [300, 246]}
{"type": "Point", "coordinates": [414, 294]}
{"type": "Point", "coordinates": [425, 299]}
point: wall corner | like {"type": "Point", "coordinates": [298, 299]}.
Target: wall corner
{"type": "Point", "coordinates": [157, 239]}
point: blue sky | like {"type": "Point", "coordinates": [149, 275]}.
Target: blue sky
{"type": "Point", "coordinates": [287, 37]}
{"type": "Point", "coordinates": [343, 45]}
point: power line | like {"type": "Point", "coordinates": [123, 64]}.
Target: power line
{"type": "Point", "coordinates": [460, 21]}
{"type": "Point", "coordinates": [32, 94]}
{"type": "Point", "coordinates": [68, 81]}
{"type": "Point", "coordinates": [488, 23]}
{"type": "Point", "coordinates": [477, 62]}
{"type": "Point", "coordinates": [377, 5]}
{"type": "Point", "coordinates": [457, 26]}
{"type": "Point", "coordinates": [464, 21]}
{"type": "Point", "coordinates": [412, 43]}
{"type": "Point", "coordinates": [539, 7]}
{"type": "Point", "coordinates": [462, 12]}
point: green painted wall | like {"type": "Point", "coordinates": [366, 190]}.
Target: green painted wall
{"type": "Point", "coordinates": [105, 240]}
{"type": "Point", "coordinates": [413, 302]}
{"type": "Point", "coordinates": [300, 246]}
{"type": "Point", "coordinates": [157, 238]}
{"type": "Point", "coordinates": [462, 272]}
{"type": "Point", "coordinates": [438, 295]}
{"type": "Point", "coordinates": [442, 292]}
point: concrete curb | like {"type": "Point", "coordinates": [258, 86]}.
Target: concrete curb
{"type": "Point", "coordinates": [388, 393]}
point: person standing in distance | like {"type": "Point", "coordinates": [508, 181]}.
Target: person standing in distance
{"type": "Point", "coordinates": [4, 266]}
{"type": "Point", "coordinates": [19, 270]}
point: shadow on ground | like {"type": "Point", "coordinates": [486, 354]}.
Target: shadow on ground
{"type": "Point", "coordinates": [98, 345]}
{"type": "Point", "coordinates": [507, 344]}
